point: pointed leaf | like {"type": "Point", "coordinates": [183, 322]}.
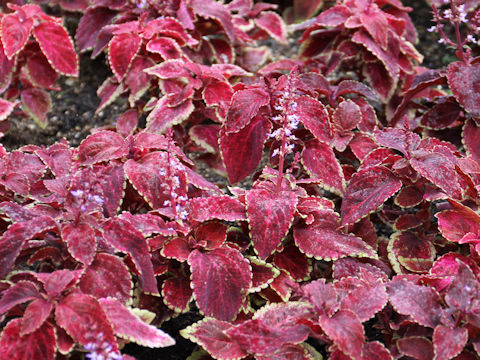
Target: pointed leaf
{"type": "Point", "coordinates": [97, 278]}
{"type": "Point", "coordinates": [6, 108]}
{"type": "Point", "coordinates": [129, 327]}
{"type": "Point", "coordinates": [217, 207]}
{"type": "Point", "coordinates": [176, 293]}
{"type": "Point", "coordinates": [322, 240]}
{"type": "Point", "coordinates": [80, 241]}
{"type": "Point", "coordinates": [19, 293]}
{"type": "Point", "coordinates": [220, 281]}
{"type": "Point", "coordinates": [35, 315]}
{"type": "Point", "coordinates": [269, 216]}
{"type": "Point", "coordinates": [314, 117]}
{"type": "Point", "coordinates": [368, 190]}
{"type": "Point", "coordinates": [57, 46]}
{"type": "Point", "coordinates": [463, 79]}
{"type": "Point", "coordinates": [164, 116]}
{"type": "Point", "coordinates": [210, 334]}
{"type": "Point", "coordinates": [37, 103]}
{"type": "Point", "coordinates": [121, 51]}
{"type": "Point", "coordinates": [244, 107]}
{"type": "Point", "coordinates": [124, 237]}
{"type": "Point", "coordinates": [15, 31]}
{"type": "Point", "coordinates": [102, 146]}
{"type": "Point", "coordinates": [37, 345]}
{"type": "Point", "coordinates": [273, 24]}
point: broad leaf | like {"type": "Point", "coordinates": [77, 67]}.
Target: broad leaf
{"type": "Point", "coordinates": [464, 79]}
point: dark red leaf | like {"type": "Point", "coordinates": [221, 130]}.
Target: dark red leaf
{"type": "Point", "coordinates": [413, 252]}
{"type": "Point", "coordinates": [368, 190]}
{"type": "Point", "coordinates": [269, 216]}
{"type": "Point", "coordinates": [177, 293]}
{"type": "Point", "coordinates": [220, 281]}
{"type": "Point", "coordinates": [463, 79]}
{"type": "Point", "coordinates": [447, 342]}
{"type": "Point", "coordinates": [37, 103]}
{"type": "Point", "coordinates": [244, 107]}
{"type": "Point", "coordinates": [417, 347]}
{"type": "Point", "coordinates": [80, 241]}
{"type": "Point", "coordinates": [217, 207]}
{"type": "Point", "coordinates": [314, 117]}
{"type": "Point", "coordinates": [35, 315]}
{"type": "Point", "coordinates": [273, 24]}
{"type": "Point", "coordinates": [19, 293]}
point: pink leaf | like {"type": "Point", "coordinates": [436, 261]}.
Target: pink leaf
{"type": "Point", "coordinates": [210, 9]}
{"type": "Point", "coordinates": [314, 117]}
{"type": "Point", "coordinates": [37, 103]}
{"type": "Point", "coordinates": [121, 51]}
{"type": "Point", "coordinates": [6, 108]}
{"type": "Point", "coordinates": [368, 190]}
{"type": "Point", "coordinates": [211, 335]}
{"type": "Point", "coordinates": [102, 146]}
{"type": "Point", "coordinates": [40, 73]}
{"type": "Point", "coordinates": [97, 278]}
{"type": "Point", "coordinates": [421, 302]}
{"type": "Point", "coordinates": [273, 24]}
{"type": "Point", "coordinates": [15, 31]}
{"type": "Point", "coordinates": [57, 47]}
{"type": "Point", "coordinates": [128, 326]}
{"type": "Point", "coordinates": [35, 315]}
{"type": "Point", "coordinates": [217, 207]}
{"type": "Point", "coordinates": [220, 280]}
{"type": "Point", "coordinates": [471, 139]}
{"type": "Point", "coordinates": [345, 330]}
{"type": "Point", "coordinates": [447, 342]}
{"type": "Point", "coordinates": [37, 345]}
{"type": "Point", "coordinates": [19, 293]}
{"type": "Point", "coordinates": [269, 215]}
{"type": "Point", "coordinates": [92, 21]}
{"type": "Point", "coordinates": [323, 240]}
{"type": "Point", "coordinates": [464, 82]}
{"type": "Point", "coordinates": [124, 237]}
{"type": "Point", "coordinates": [164, 115]}
{"type": "Point", "coordinates": [166, 47]}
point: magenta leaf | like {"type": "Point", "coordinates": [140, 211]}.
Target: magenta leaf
{"type": "Point", "coordinates": [447, 342]}
{"type": "Point", "coordinates": [97, 278]}
{"type": "Point", "coordinates": [262, 274]}
{"type": "Point", "coordinates": [90, 24]}
{"type": "Point", "coordinates": [15, 31]}
{"type": "Point", "coordinates": [244, 107]}
{"type": "Point", "coordinates": [463, 79]}
{"type": "Point", "coordinates": [19, 293]}
{"type": "Point", "coordinates": [80, 241]}
{"type": "Point", "coordinates": [314, 117]}
{"type": "Point", "coordinates": [124, 237]}
{"type": "Point", "coordinates": [293, 262]}
{"type": "Point", "coordinates": [177, 293]}
{"type": "Point", "coordinates": [323, 240]}
{"type": "Point", "coordinates": [16, 235]}
{"type": "Point", "coordinates": [320, 162]}
{"type": "Point", "coordinates": [57, 47]}
{"type": "Point", "coordinates": [210, 9]}
{"type": "Point", "coordinates": [39, 344]}
{"type": "Point", "coordinates": [412, 251]}
{"type": "Point", "coordinates": [83, 318]}
{"type": "Point", "coordinates": [129, 326]}
{"type": "Point", "coordinates": [415, 346]}
{"type": "Point", "coordinates": [217, 207]}
{"type": "Point", "coordinates": [121, 52]}
{"type": "Point", "coordinates": [345, 330]}
{"type": "Point", "coordinates": [422, 303]}
{"type": "Point", "coordinates": [220, 281]}
{"type": "Point", "coordinates": [102, 146]}
{"type": "Point", "coordinates": [35, 315]}
{"type": "Point", "coordinates": [37, 103]}
{"type": "Point", "coordinates": [211, 335]}
{"type": "Point", "coordinates": [40, 73]}
{"type": "Point", "coordinates": [269, 215]}
{"type": "Point", "coordinates": [242, 151]}
{"type": "Point", "coordinates": [6, 108]}
{"type": "Point", "coordinates": [367, 190]}
{"type": "Point", "coordinates": [471, 139]}
{"type": "Point", "coordinates": [273, 24]}
{"type": "Point", "coordinates": [164, 115]}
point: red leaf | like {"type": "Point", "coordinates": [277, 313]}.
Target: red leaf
{"type": "Point", "coordinates": [314, 117]}
{"type": "Point", "coordinates": [137, 80]}
{"type": "Point", "coordinates": [121, 51]}
{"type": "Point", "coordinates": [293, 262]}
{"type": "Point", "coordinates": [242, 151]}
{"type": "Point", "coordinates": [471, 139]}
{"type": "Point", "coordinates": [375, 350]}
{"type": "Point", "coordinates": [83, 319]}
{"type": "Point", "coordinates": [220, 280]}
{"type": "Point", "coordinates": [447, 342]}
{"type": "Point", "coordinates": [37, 103]}
{"type": "Point", "coordinates": [166, 47]}
{"type": "Point", "coordinates": [57, 47]}
{"type": "Point", "coordinates": [272, 326]}
{"type": "Point", "coordinates": [164, 116]}
{"type": "Point", "coordinates": [124, 237]}
{"type": "Point", "coordinates": [210, 9]}
{"type": "Point", "coordinates": [217, 207]}
{"type": "Point", "coordinates": [37, 345]}
{"type": "Point", "coordinates": [346, 331]}
{"type": "Point", "coordinates": [6, 107]}
{"type": "Point", "coordinates": [464, 82]}
{"type": "Point", "coordinates": [15, 31]}
{"type": "Point", "coordinates": [107, 276]}
{"type": "Point", "coordinates": [80, 241]}
{"type": "Point", "coordinates": [211, 335]}
{"type": "Point", "coordinates": [40, 73]}
{"type": "Point", "coordinates": [320, 162]}
{"type": "Point", "coordinates": [92, 21]}
{"type": "Point", "coordinates": [177, 293]}
{"type": "Point", "coordinates": [35, 315]}
{"type": "Point", "coordinates": [177, 248]}
{"type": "Point", "coordinates": [322, 240]}
{"type": "Point", "coordinates": [244, 107]}
{"type": "Point", "coordinates": [16, 235]}
{"type": "Point", "coordinates": [441, 115]}
{"type": "Point", "coordinates": [210, 235]}
{"type": "Point", "coordinates": [130, 327]}
{"type": "Point", "coordinates": [273, 24]}
{"type": "Point", "coordinates": [102, 146]}
{"type": "Point", "coordinates": [269, 216]}
{"type": "Point", "coordinates": [421, 302]}
{"type": "Point", "coordinates": [263, 274]}
{"type": "Point", "coordinates": [417, 347]}
{"type": "Point", "coordinates": [368, 190]}
{"type": "Point", "coordinates": [463, 290]}
{"type": "Point", "coordinates": [19, 293]}
{"type": "Point", "coordinates": [413, 252]}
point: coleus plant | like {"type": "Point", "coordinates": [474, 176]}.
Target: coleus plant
{"type": "Point", "coordinates": [35, 48]}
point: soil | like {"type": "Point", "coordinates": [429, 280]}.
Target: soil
{"type": "Point", "coordinates": [73, 116]}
